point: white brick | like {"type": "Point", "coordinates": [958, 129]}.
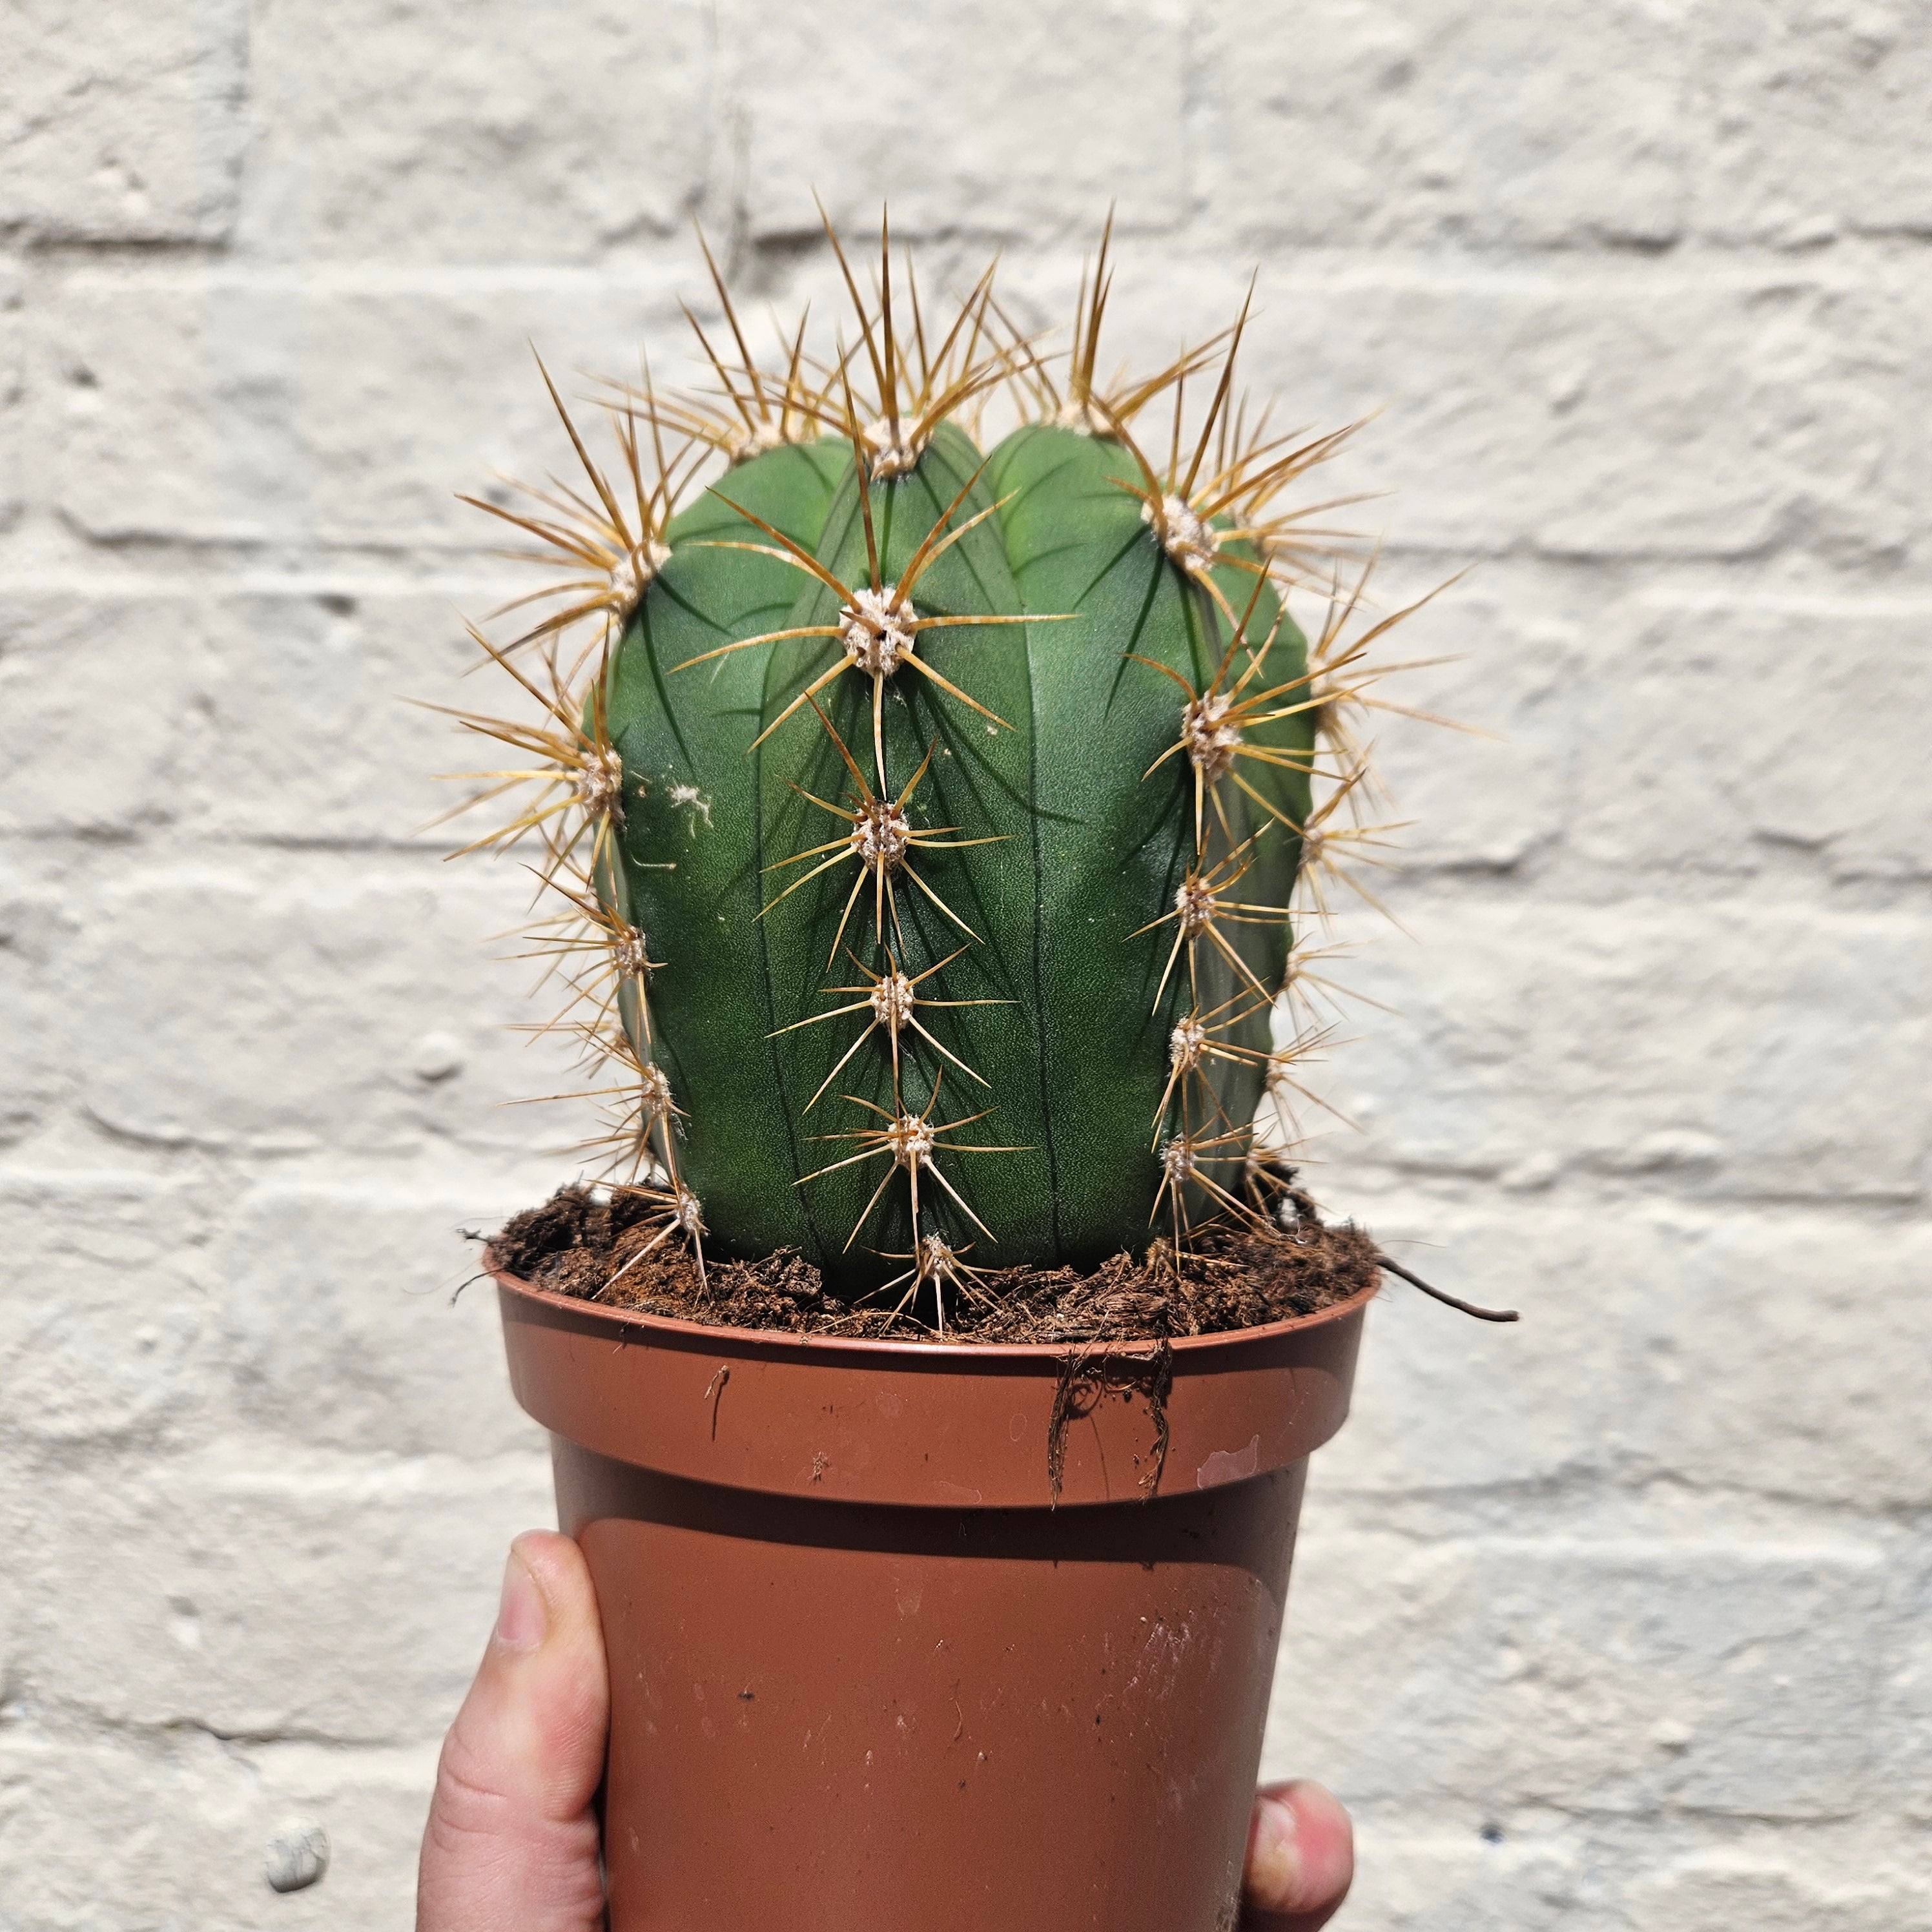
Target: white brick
{"type": "Point", "coordinates": [270, 410]}
{"type": "Point", "coordinates": [1530, 123]}
{"type": "Point", "coordinates": [1609, 1875]}
{"type": "Point", "coordinates": [391, 131]}
{"type": "Point", "coordinates": [1406, 1881]}
{"type": "Point", "coordinates": [13, 407]}
{"type": "Point", "coordinates": [1722, 1893]}
{"type": "Point", "coordinates": [1732, 1047]}
{"type": "Point", "coordinates": [1826, 755]}
{"type": "Point", "coordinates": [1905, 1741]}
{"type": "Point", "coordinates": [942, 110]}
{"type": "Point", "coordinates": [1719, 1352]}
{"type": "Point", "coordinates": [1489, 1675]}
{"type": "Point", "coordinates": [372, 1804]}
{"type": "Point", "coordinates": [131, 134]}
{"type": "Point", "coordinates": [103, 1343]}
{"type": "Point", "coordinates": [1586, 414]}
{"type": "Point", "coordinates": [160, 1315]}
{"type": "Point", "coordinates": [163, 1821]}
{"type": "Point", "coordinates": [1519, 649]}
{"type": "Point", "coordinates": [36, 939]}
{"type": "Point", "coordinates": [97, 711]}
{"type": "Point", "coordinates": [1676, 419]}
{"type": "Point", "coordinates": [1815, 1330]}
{"type": "Point", "coordinates": [361, 1293]}
{"type": "Point", "coordinates": [291, 1601]}
{"type": "Point", "coordinates": [1816, 115]}
{"type": "Point", "coordinates": [13, 1616]}
{"type": "Point", "coordinates": [323, 1035]}
{"type": "Point", "coordinates": [259, 715]}
{"type": "Point", "coordinates": [1443, 1403]}
{"type": "Point", "coordinates": [309, 735]}
{"type": "Point", "coordinates": [178, 1828]}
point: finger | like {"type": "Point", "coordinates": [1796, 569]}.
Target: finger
{"type": "Point", "coordinates": [511, 1841]}
{"type": "Point", "coordinates": [1301, 1859]}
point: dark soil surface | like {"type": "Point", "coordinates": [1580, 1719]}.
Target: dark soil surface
{"type": "Point", "coordinates": [1229, 1278]}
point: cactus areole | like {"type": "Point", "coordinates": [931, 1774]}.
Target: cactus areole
{"type": "Point", "coordinates": [930, 821]}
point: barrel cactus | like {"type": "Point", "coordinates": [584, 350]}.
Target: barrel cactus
{"type": "Point", "coordinates": [937, 836]}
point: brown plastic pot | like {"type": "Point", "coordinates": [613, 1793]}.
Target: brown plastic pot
{"type": "Point", "coordinates": [869, 1674]}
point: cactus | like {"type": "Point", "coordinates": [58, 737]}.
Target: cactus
{"type": "Point", "coordinates": [923, 822]}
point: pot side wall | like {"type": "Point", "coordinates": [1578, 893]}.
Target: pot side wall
{"type": "Point", "coordinates": [837, 1717]}
{"type": "Point", "coordinates": [846, 1696]}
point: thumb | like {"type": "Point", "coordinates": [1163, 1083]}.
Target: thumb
{"type": "Point", "coordinates": [512, 1843]}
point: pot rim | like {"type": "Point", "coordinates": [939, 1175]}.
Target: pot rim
{"type": "Point", "coordinates": [906, 1354]}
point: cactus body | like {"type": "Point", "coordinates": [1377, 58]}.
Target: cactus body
{"type": "Point", "coordinates": [963, 798]}
{"type": "Point", "coordinates": [1089, 854]}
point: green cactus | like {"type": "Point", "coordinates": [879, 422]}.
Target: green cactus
{"type": "Point", "coordinates": [930, 821]}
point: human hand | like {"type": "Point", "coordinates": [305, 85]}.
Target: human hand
{"type": "Point", "coordinates": [512, 1842]}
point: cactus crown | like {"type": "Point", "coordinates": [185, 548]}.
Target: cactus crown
{"type": "Point", "coordinates": [919, 826]}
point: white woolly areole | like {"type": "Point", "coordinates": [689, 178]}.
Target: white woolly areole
{"type": "Point", "coordinates": [880, 833]}
{"type": "Point", "coordinates": [1176, 1160]}
{"type": "Point", "coordinates": [630, 576]}
{"type": "Point", "coordinates": [1211, 741]}
{"type": "Point", "coordinates": [654, 1093]}
{"type": "Point", "coordinates": [630, 955]}
{"type": "Point", "coordinates": [1184, 1045]}
{"type": "Point", "coordinates": [1196, 905]}
{"type": "Point", "coordinates": [1079, 414]}
{"type": "Point", "coordinates": [600, 784]}
{"type": "Point", "coordinates": [912, 1140]}
{"type": "Point", "coordinates": [746, 443]}
{"type": "Point", "coordinates": [892, 455]}
{"type": "Point", "coordinates": [686, 1214]}
{"type": "Point", "coordinates": [873, 629]}
{"type": "Point", "coordinates": [937, 1261]}
{"type": "Point", "coordinates": [1190, 540]}
{"type": "Point", "coordinates": [892, 1001]}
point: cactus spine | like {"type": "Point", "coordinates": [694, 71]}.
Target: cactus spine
{"type": "Point", "coordinates": [926, 827]}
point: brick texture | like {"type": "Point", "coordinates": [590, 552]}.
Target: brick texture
{"type": "Point", "coordinates": [1614, 1620]}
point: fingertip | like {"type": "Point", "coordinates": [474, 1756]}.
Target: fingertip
{"type": "Point", "coordinates": [556, 1564]}
{"type": "Point", "coordinates": [540, 1700]}
{"type": "Point", "coordinates": [1327, 1841]}
{"type": "Point", "coordinates": [523, 1610]}
{"type": "Point", "coordinates": [1301, 1851]}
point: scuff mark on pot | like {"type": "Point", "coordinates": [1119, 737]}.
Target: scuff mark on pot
{"type": "Point", "coordinates": [1161, 1656]}
{"type": "Point", "coordinates": [1229, 1465]}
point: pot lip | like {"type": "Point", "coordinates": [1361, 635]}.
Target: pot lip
{"type": "Point", "coordinates": [904, 1354]}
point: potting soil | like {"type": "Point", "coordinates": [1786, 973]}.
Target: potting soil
{"type": "Point", "coordinates": [587, 1242]}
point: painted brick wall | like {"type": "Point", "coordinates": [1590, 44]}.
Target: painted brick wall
{"type": "Point", "coordinates": [1621, 1619]}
